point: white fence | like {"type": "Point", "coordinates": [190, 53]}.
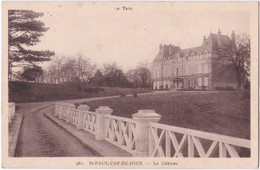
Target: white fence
{"type": "Point", "coordinates": [11, 112]}
{"type": "Point", "coordinates": [121, 132]}
{"type": "Point", "coordinates": [142, 136]}
{"type": "Point", "coordinates": [89, 121]}
{"type": "Point", "coordinates": [163, 142]}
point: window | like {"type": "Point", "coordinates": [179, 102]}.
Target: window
{"type": "Point", "coordinates": [199, 69]}
{"type": "Point", "coordinates": [187, 70]}
{"type": "Point", "coordinates": [202, 68]}
{"type": "Point", "coordinates": [206, 81]}
{"type": "Point", "coordinates": [199, 82]}
{"type": "Point", "coordinates": [206, 68]}
{"type": "Point", "coordinates": [177, 71]}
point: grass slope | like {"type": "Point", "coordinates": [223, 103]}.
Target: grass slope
{"type": "Point", "coordinates": [222, 112]}
{"type": "Point", "coordinates": [20, 92]}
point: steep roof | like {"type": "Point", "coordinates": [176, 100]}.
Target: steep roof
{"type": "Point", "coordinates": [222, 38]}
{"type": "Point", "coordinates": [210, 44]}
{"type": "Point", "coordinates": [166, 52]}
{"type": "Point", "coordinates": [194, 49]}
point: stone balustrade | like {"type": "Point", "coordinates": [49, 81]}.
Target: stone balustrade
{"type": "Point", "coordinates": [11, 112]}
{"type": "Point", "coordinates": [142, 136]}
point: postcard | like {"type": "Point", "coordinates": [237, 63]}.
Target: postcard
{"type": "Point", "coordinates": [130, 84]}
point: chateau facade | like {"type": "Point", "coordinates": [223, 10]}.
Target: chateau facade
{"type": "Point", "coordinates": [192, 68]}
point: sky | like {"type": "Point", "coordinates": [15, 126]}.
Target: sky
{"type": "Point", "coordinates": [129, 37]}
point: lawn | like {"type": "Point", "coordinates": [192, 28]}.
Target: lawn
{"type": "Point", "coordinates": [224, 113]}
{"type": "Point", "coordinates": [20, 92]}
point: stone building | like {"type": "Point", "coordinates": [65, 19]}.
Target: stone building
{"type": "Point", "coordinates": [192, 68]}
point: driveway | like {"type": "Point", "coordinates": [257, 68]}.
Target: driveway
{"type": "Point", "coordinates": [40, 137]}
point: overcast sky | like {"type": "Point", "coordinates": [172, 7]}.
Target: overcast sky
{"type": "Point", "coordinates": [105, 34]}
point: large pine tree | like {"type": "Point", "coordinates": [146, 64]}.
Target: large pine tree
{"type": "Point", "coordinates": [24, 30]}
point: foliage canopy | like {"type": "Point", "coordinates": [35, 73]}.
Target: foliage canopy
{"type": "Point", "coordinates": [24, 30]}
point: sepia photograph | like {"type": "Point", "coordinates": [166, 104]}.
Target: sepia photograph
{"type": "Point", "coordinates": [129, 84]}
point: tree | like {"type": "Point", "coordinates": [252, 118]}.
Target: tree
{"type": "Point", "coordinates": [109, 67]}
{"type": "Point", "coordinates": [236, 56]}
{"type": "Point", "coordinates": [98, 79]}
{"type": "Point", "coordinates": [84, 69]}
{"type": "Point", "coordinates": [24, 30]}
{"type": "Point", "coordinates": [69, 70]}
{"type": "Point", "coordinates": [116, 78]}
{"type": "Point", "coordinates": [31, 74]}
{"type": "Point", "coordinates": [144, 75]}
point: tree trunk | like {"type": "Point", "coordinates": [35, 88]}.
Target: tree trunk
{"type": "Point", "coordinates": [238, 79]}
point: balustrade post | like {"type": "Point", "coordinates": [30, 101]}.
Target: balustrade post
{"type": "Point", "coordinates": [62, 105]}
{"type": "Point", "coordinates": [11, 111]}
{"type": "Point", "coordinates": [57, 105]}
{"type": "Point", "coordinates": [143, 117]}
{"type": "Point", "coordinates": [69, 112]}
{"type": "Point", "coordinates": [101, 122]}
{"type": "Point", "coordinates": [81, 115]}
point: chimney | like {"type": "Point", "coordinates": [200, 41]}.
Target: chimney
{"type": "Point", "coordinates": [204, 39]}
{"type": "Point", "coordinates": [171, 48]}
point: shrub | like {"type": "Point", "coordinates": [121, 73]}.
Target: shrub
{"type": "Point", "coordinates": [226, 88]}
{"type": "Point", "coordinates": [246, 94]}
{"type": "Point", "coordinates": [122, 94]}
{"type": "Point", "coordinates": [135, 95]}
{"type": "Point", "coordinates": [79, 88]}
{"type": "Point", "coordinates": [18, 86]}
{"type": "Point", "coordinates": [93, 89]}
{"type": "Point", "coordinates": [88, 89]}
{"type": "Point", "coordinates": [204, 87]}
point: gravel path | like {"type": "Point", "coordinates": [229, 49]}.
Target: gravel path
{"type": "Point", "coordinates": [40, 137]}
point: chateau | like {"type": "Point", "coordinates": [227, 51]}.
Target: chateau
{"type": "Point", "coordinates": [192, 68]}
